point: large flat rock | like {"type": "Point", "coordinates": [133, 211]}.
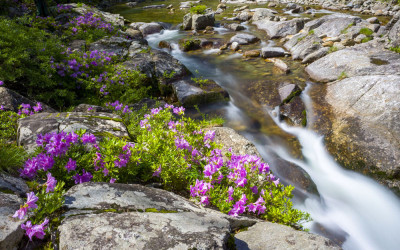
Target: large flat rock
{"type": "Point", "coordinates": [366, 125]}
{"type": "Point", "coordinates": [332, 25]}
{"type": "Point", "coordinates": [11, 100]}
{"type": "Point", "coordinates": [363, 59]}
{"type": "Point", "coordinates": [42, 123]}
{"type": "Point", "coordinates": [135, 230]}
{"type": "Point", "coordinates": [280, 29]}
{"type": "Point", "coordinates": [267, 235]}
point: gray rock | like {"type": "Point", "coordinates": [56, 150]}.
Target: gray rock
{"type": "Point", "coordinates": [155, 6]}
{"type": "Point", "coordinates": [281, 65]}
{"type": "Point", "coordinates": [366, 125]}
{"type": "Point", "coordinates": [187, 22]}
{"type": "Point", "coordinates": [93, 108]}
{"type": "Point", "coordinates": [148, 103]}
{"type": "Point", "coordinates": [200, 22]}
{"type": "Point", "coordinates": [243, 16]}
{"type": "Point", "coordinates": [234, 26]}
{"type": "Point", "coordinates": [332, 25]}
{"type": "Point", "coordinates": [134, 33]}
{"type": "Point", "coordinates": [293, 110]}
{"type": "Point", "coordinates": [11, 100]}
{"type": "Point", "coordinates": [189, 95]}
{"type": "Point", "coordinates": [267, 235]}
{"type": "Point", "coordinates": [315, 55]}
{"type": "Point", "coordinates": [188, 4]}
{"type": "Point", "coordinates": [280, 29]}
{"type": "Point", "coordinates": [165, 63]}
{"type": "Point", "coordinates": [115, 45]}
{"type": "Point", "coordinates": [362, 59]}
{"type": "Point", "coordinates": [115, 19]}
{"type": "Point", "coordinates": [11, 232]}
{"type": "Point", "coordinates": [150, 28]}
{"type": "Point", "coordinates": [16, 185]}
{"type": "Point", "coordinates": [294, 40]}
{"type": "Point", "coordinates": [77, 45]}
{"type": "Point", "coordinates": [131, 4]}
{"type": "Point", "coordinates": [244, 38]}
{"type": "Point", "coordinates": [135, 230]}
{"type": "Point", "coordinates": [267, 52]}
{"type": "Point", "coordinates": [373, 20]}
{"type": "Point", "coordinates": [235, 46]}
{"type": "Point", "coordinates": [42, 123]}
{"type": "Point", "coordinates": [393, 34]}
{"type": "Point", "coordinates": [305, 46]}
{"type": "Point", "coordinates": [286, 90]}
{"type": "Point", "coordinates": [262, 13]}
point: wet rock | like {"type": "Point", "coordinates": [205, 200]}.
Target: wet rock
{"type": "Point", "coordinates": [165, 63]}
{"type": "Point", "coordinates": [164, 45]}
{"type": "Point", "coordinates": [189, 94]}
{"type": "Point", "coordinates": [136, 25]}
{"type": "Point", "coordinates": [189, 44]}
{"type": "Point", "coordinates": [244, 38]}
{"type": "Point", "coordinates": [116, 45]}
{"type": "Point", "coordinates": [294, 111]}
{"type": "Point", "coordinates": [187, 22]}
{"type": "Point", "coordinates": [262, 13]}
{"type": "Point", "coordinates": [332, 25]}
{"type": "Point", "coordinates": [234, 26]}
{"type": "Point", "coordinates": [268, 52]}
{"type": "Point", "coordinates": [148, 103]}
{"type": "Point", "coordinates": [366, 125]}
{"type": "Point", "coordinates": [235, 46]}
{"type": "Point", "coordinates": [288, 90]}
{"type": "Point", "coordinates": [11, 101]}
{"type": "Point", "coordinates": [280, 29]}
{"type": "Point", "coordinates": [135, 34]}
{"type": "Point", "coordinates": [150, 28]}
{"type": "Point", "coordinates": [281, 65]}
{"type": "Point", "coordinates": [362, 59]}
{"type": "Point", "coordinates": [90, 108]}
{"type": "Point", "coordinates": [252, 53]}
{"type": "Point", "coordinates": [13, 184]}
{"type": "Point", "coordinates": [206, 44]}
{"type": "Point", "coordinates": [42, 123]}
{"type": "Point", "coordinates": [11, 232]}
{"type": "Point", "coordinates": [267, 235]}
{"type": "Point", "coordinates": [293, 40]}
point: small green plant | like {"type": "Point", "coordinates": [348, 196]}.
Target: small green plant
{"type": "Point", "coordinates": [311, 32]}
{"type": "Point", "coordinates": [342, 76]}
{"type": "Point", "coordinates": [300, 39]}
{"type": "Point", "coordinates": [333, 49]}
{"type": "Point", "coordinates": [344, 31]}
{"type": "Point", "coordinates": [169, 75]}
{"type": "Point", "coordinates": [190, 44]}
{"type": "Point", "coordinates": [12, 157]}
{"type": "Point", "coordinates": [366, 39]}
{"type": "Point", "coordinates": [366, 31]}
{"type": "Point", "coordinates": [395, 49]}
{"type": "Point", "coordinates": [199, 9]}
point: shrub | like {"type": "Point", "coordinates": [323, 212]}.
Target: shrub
{"type": "Point", "coordinates": [199, 9]}
{"type": "Point", "coordinates": [395, 49]}
{"type": "Point", "coordinates": [25, 62]}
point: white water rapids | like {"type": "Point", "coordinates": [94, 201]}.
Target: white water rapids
{"type": "Point", "coordinates": [355, 206]}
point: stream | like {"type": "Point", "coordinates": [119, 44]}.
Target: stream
{"type": "Point", "coordinates": [349, 208]}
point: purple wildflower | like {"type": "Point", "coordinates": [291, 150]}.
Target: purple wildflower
{"type": "Point", "coordinates": [50, 183]}
{"type": "Point", "coordinates": [1, 83]}
{"type": "Point", "coordinates": [35, 230]}
{"type": "Point", "coordinates": [85, 177]}
{"type": "Point", "coordinates": [179, 110]}
{"type": "Point", "coordinates": [88, 138]}
{"type": "Point", "coordinates": [71, 165]}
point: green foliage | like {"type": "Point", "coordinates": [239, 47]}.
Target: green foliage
{"type": "Point", "coordinates": [200, 81]}
{"type": "Point", "coordinates": [366, 31]}
{"type": "Point", "coordinates": [311, 32]}
{"type": "Point", "coordinates": [333, 49]}
{"type": "Point", "coordinates": [346, 29]}
{"type": "Point", "coordinates": [395, 49]}
{"type": "Point", "coordinates": [342, 75]}
{"type": "Point", "coordinates": [169, 75]}
{"type": "Point", "coordinates": [48, 203]}
{"type": "Point", "coordinates": [12, 157]}
{"type": "Point", "coordinates": [199, 9]}
{"type": "Point", "coordinates": [190, 44]}
{"type": "Point", "coordinates": [25, 62]}
{"type": "Point", "coordinates": [8, 125]}
{"type": "Point", "coordinates": [366, 39]}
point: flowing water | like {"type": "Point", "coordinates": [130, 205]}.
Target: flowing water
{"type": "Point", "coordinates": [347, 207]}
